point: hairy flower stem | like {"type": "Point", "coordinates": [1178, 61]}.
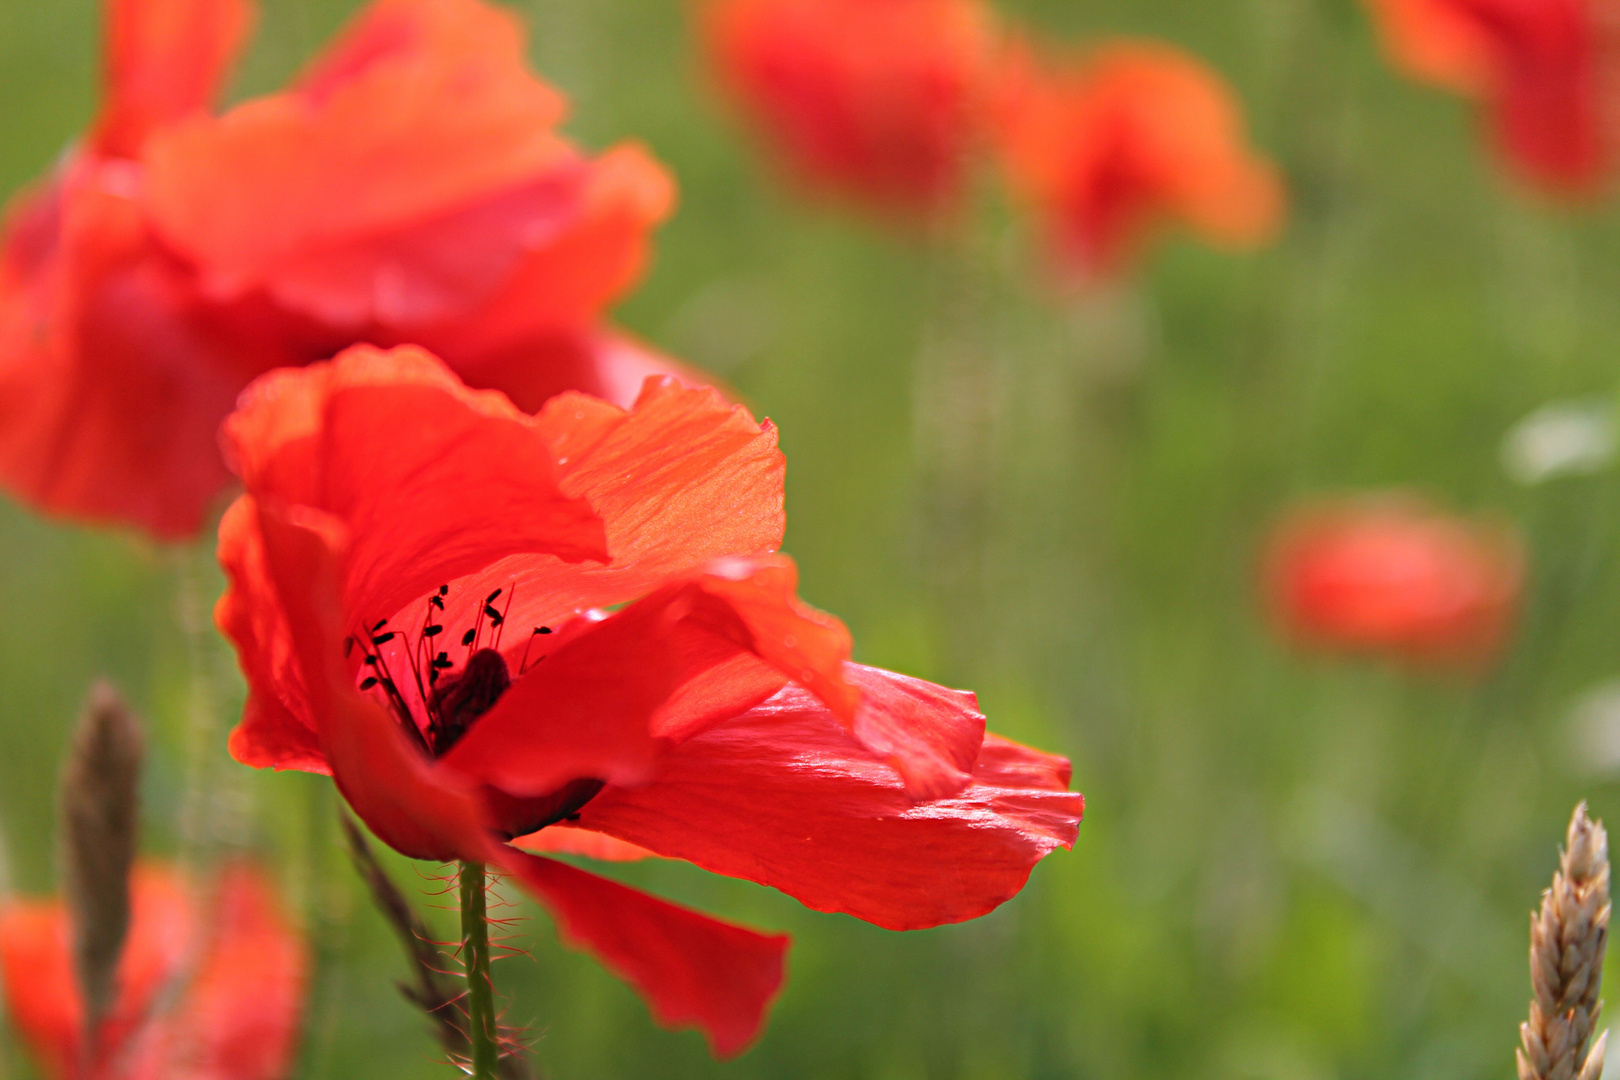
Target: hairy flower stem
{"type": "Point", "coordinates": [481, 1024]}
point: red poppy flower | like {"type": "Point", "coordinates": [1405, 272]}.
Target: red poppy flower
{"type": "Point", "coordinates": [420, 608]}
{"type": "Point", "coordinates": [211, 994]}
{"type": "Point", "coordinates": [1544, 68]}
{"type": "Point", "coordinates": [1392, 575]}
{"type": "Point", "coordinates": [880, 100]}
{"type": "Point", "coordinates": [1135, 136]}
{"type": "Point", "coordinates": [409, 186]}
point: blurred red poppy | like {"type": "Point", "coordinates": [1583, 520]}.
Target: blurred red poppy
{"type": "Point", "coordinates": [419, 580]}
{"type": "Point", "coordinates": [1545, 70]}
{"type": "Point", "coordinates": [878, 100]}
{"type": "Point", "coordinates": [409, 186]}
{"type": "Point", "coordinates": [212, 994]}
{"type": "Point", "coordinates": [1134, 136]}
{"type": "Point", "coordinates": [1391, 575]}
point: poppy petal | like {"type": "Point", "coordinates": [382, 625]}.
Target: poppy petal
{"type": "Point", "coordinates": [415, 808]}
{"type": "Point", "coordinates": [1436, 41]}
{"type": "Point", "coordinates": [608, 694]}
{"type": "Point", "coordinates": [239, 1015]}
{"type": "Point", "coordinates": [680, 480]}
{"type": "Point", "coordinates": [691, 969]}
{"type": "Point", "coordinates": [42, 996]}
{"type": "Point", "coordinates": [271, 734]}
{"type": "Point", "coordinates": [466, 480]}
{"type": "Point", "coordinates": [165, 59]}
{"type": "Point", "coordinates": [783, 796]}
{"type": "Point", "coordinates": [607, 364]}
{"type": "Point", "coordinates": [112, 382]}
{"type": "Point", "coordinates": [564, 277]}
{"type": "Point", "coordinates": [436, 270]}
{"type": "Point", "coordinates": [888, 115]}
{"type": "Point", "coordinates": [683, 478]}
{"type": "Point", "coordinates": [567, 840]}
{"type": "Point", "coordinates": [624, 364]}
{"type": "Point", "coordinates": [422, 106]}
{"type": "Point", "coordinates": [1137, 135]}
{"type": "Point", "coordinates": [931, 735]}
{"type": "Point", "coordinates": [586, 711]}
{"type": "Point", "coordinates": [36, 967]}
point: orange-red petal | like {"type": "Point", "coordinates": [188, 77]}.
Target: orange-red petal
{"type": "Point", "coordinates": [1542, 68]}
{"type": "Point", "coordinates": [783, 796]}
{"type": "Point", "coordinates": [1137, 135]}
{"type": "Point", "coordinates": [564, 277]}
{"type": "Point", "coordinates": [113, 380]}
{"type": "Point", "coordinates": [432, 480]}
{"type": "Point", "coordinates": [680, 480]}
{"type": "Point", "coordinates": [609, 699]}
{"type": "Point", "coordinates": [277, 728]}
{"type": "Point", "coordinates": [238, 1016]}
{"type": "Point", "coordinates": [417, 809]}
{"type": "Point", "coordinates": [420, 107]}
{"type": "Point", "coordinates": [598, 362]}
{"type": "Point", "coordinates": [1392, 575]}
{"type": "Point", "coordinates": [165, 60]}
{"type": "Point", "coordinates": [567, 840]}
{"type": "Point", "coordinates": [235, 1017]}
{"type": "Point", "coordinates": [691, 969]}
{"type": "Point", "coordinates": [890, 113]}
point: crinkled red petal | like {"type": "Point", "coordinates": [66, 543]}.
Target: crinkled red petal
{"type": "Point", "coordinates": [692, 970]}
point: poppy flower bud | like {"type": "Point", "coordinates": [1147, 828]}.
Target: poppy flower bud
{"type": "Point", "coordinates": [99, 797]}
{"type": "Point", "coordinates": [1392, 576]}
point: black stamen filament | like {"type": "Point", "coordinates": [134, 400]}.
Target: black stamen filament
{"type": "Point", "coordinates": [451, 700]}
{"type": "Point", "coordinates": [523, 665]}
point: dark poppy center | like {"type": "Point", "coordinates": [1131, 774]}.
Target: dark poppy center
{"type": "Point", "coordinates": [460, 699]}
{"type": "Point", "coordinates": [451, 700]}
{"type": "Point", "coordinates": [434, 702]}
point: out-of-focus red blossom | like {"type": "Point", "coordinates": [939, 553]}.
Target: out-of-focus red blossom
{"type": "Point", "coordinates": [1545, 69]}
{"type": "Point", "coordinates": [882, 101]}
{"type": "Point", "coordinates": [1391, 575]}
{"type": "Point", "coordinates": [1133, 136]}
{"type": "Point", "coordinates": [419, 580]}
{"type": "Point", "coordinates": [209, 994]}
{"type": "Point", "coordinates": [409, 186]}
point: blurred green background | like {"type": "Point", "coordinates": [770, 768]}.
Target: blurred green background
{"type": "Point", "coordinates": [1291, 868]}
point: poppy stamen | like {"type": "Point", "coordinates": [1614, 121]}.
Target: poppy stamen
{"type": "Point", "coordinates": [500, 624]}
{"type": "Point", "coordinates": [450, 701]}
{"type": "Point", "coordinates": [523, 665]}
{"type": "Point", "coordinates": [382, 677]}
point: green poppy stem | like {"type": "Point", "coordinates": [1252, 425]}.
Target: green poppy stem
{"type": "Point", "coordinates": [481, 1022]}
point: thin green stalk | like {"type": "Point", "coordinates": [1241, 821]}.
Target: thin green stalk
{"type": "Point", "coordinates": [481, 1025]}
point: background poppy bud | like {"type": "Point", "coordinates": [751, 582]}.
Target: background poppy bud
{"type": "Point", "coordinates": [99, 798]}
{"type": "Point", "coordinates": [1390, 575]}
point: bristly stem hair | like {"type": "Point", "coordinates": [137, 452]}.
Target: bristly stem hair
{"type": "Point", "coordinates": [440, 994]}
{"type": "Point", "coordinates": [481, 1020]}
{"type": "Point", "coordinates": [1567, 941]}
